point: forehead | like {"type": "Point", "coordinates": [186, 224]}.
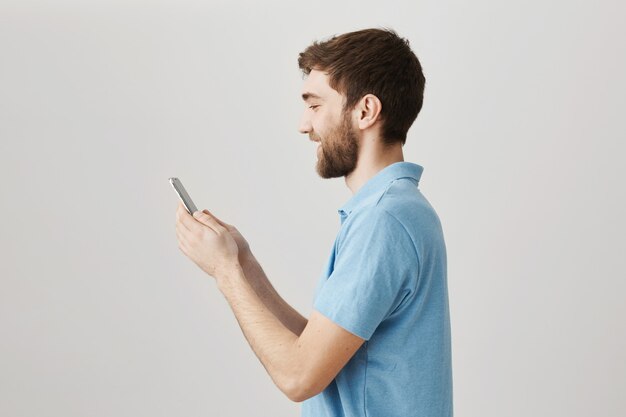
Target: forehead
{"type": "Point", "coordinates": [317, 83]}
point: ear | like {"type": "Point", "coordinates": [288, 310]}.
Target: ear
{"type": "Point", "coordinates": [368, 111]}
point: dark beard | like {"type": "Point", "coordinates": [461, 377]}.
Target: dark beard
{"type": "Point", "coordinates": [340, 152]}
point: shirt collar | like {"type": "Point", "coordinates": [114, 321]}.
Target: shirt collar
{"type": "Point", "coordinates": [379, 182]}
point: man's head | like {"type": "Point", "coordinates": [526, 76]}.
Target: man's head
{"type": "Point", "coordinates": [369, 69]}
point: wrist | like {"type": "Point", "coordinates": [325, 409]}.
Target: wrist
{"type": "Point", "coordinates": [246, 259]}
{"type": "Point", "coordinates": [229, 276]}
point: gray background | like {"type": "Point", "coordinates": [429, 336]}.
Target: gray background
{"type": "Point", "coordinates": [522, 142]}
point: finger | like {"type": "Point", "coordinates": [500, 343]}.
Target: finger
{"type": "Point", "coordinates": [226, 225]}
{"type": "Point", "coordinates": [182, 241]}
{"type": "Point", "coordinates": [179, 225]}
{"type": "Point", "coordinates": [208, 220]}
{"type": "Point", "coordinates": [185, 219]}
{"type": "Point", "coordinates": [182, 234]}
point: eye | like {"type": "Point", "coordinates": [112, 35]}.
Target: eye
{"type": "Point", "coordinates": [314, 106]}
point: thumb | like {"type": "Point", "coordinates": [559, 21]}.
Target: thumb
{"type": "Point", "coordinates": [206, 220]}
{"type": "Point", "coordinates": [221, 223]}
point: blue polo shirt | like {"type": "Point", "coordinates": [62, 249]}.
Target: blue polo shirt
{"type": "Point", "coordinates": [386, 282]}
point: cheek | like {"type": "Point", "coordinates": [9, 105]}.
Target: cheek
{"type": "Point", "coordinates": [320, 125]}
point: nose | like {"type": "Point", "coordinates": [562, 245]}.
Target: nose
{"type": "Point", "coordinates": [305, 124]}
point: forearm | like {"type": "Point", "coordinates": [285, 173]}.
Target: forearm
{"type": "Point", "coordinates": [261, 285]}
{"type": "Point", "coordinates": [274, 344]}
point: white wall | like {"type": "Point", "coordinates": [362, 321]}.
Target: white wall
{"type": "Point", "coordinates": [521, 138]}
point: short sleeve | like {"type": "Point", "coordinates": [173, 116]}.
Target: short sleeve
{"type": "Point", "coordinates": [376, 268]}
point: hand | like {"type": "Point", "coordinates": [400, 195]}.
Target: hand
{"type": "Point", "coordinates": [242, 243]}
{"type": "Point", "coordinates": [206, 242]}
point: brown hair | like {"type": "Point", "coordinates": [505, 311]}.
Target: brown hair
{"type": "Point", "coordinates": [372, 61]}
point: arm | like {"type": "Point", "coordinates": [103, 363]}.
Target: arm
{"type": "Point", "coordinates": [261, 285]}
{"type": "Point", "coordinates": [301, 366]}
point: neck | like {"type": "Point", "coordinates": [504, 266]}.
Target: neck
{"type": "Point", "coordinates": [371, 161]}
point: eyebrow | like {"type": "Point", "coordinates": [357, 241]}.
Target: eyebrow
{"type": "Point", "coordinates": [307, 96]}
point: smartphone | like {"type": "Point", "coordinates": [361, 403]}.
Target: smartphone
{"type": "Point", "coordinates": [182, 194]}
